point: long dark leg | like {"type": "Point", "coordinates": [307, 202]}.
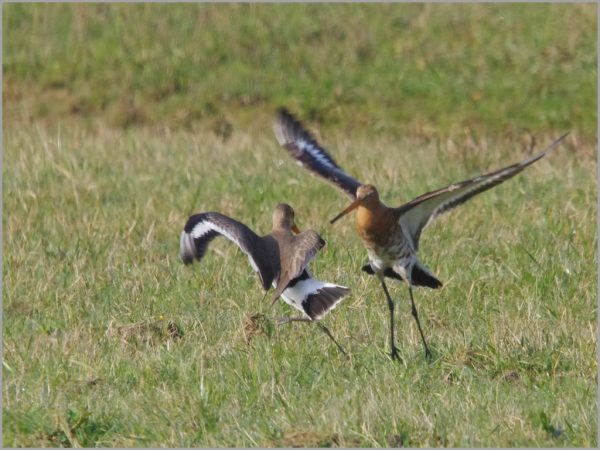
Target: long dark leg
{"type": "Point", "coordinates": [325, 330]}
{"type": "Point", "coordinates": [394, 350]}
{"type": "Point", "coordinates": [416, 316]}
{"type": "Point", "coordinates": [328, 333]}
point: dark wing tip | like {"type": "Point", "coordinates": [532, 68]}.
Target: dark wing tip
{"type": "Point", "coordinates": [291, 134]}
{"type": "Point", "coordinates": [187, 249]}
{"type": "Point", "coordinates": [301, 145]}
{"type": "Point", "coordinates": [284, 113]}
{"type": "Point", "coordinates": [283, 120]}
{"type": "Point", "coordinates": [557, 141]}
{"type": "Point", "coordinates": [288, 128]}
{"type": "Point", "coordinates": [544, 152]}
{"type": "Point", "coordinates": [191, 248]}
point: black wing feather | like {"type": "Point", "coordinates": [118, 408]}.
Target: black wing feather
{"type": "Point", "coordinates": [201, 229]}
{"type": "Point", "coordinates": [305, 149]}
{"type": "Point", "coordinates": [416, 214]}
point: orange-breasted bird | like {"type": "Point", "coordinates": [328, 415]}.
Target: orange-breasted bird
{"type": "Point", "coordinates": [391, 235]}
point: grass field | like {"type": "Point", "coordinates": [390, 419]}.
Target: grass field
{"type": "Point", "coordinates": [110, 341]}
{"type": "Point", "coordinates": [409, 68]}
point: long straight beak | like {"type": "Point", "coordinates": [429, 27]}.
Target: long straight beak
{"type": "Point", "coordinates": [295, 229]}
{"type": "Point", "coordinates": [355, 204]}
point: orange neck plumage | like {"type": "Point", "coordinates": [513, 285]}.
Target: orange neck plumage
{"type": "Point", "coordinates": [374, 222]}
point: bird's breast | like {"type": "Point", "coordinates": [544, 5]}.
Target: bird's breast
{"type": "Point", "coordinates": [375, 227]}
{"type": "Point", "coordinates": [386, 245]}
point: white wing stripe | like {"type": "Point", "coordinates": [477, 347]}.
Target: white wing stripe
{"type": "Point", "coordinates": [202, 228]}
{"type": "Point", "coordinates": [316, 153]}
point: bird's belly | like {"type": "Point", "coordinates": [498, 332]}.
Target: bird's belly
{"type": "Point", "coordinates": [396, 255]}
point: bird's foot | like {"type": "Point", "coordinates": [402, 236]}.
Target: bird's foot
{"type": "Point", "coordinates": [395, 355]}
{"type": "Point", "coordinates": [428, 355]}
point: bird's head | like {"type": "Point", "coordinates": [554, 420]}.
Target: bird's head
{"type": "Point", "coordinates": [366, 195]}
{"type": "Point", "coordinates": [283, 218]}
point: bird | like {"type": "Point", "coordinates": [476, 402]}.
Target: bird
{"type": "Point", "coordinates": [280, 259]}
{"type": "Point", "coordinates": [390, 235]}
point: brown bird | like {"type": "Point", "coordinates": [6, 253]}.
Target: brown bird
{"type": "Point", "coordinates": [391, 235]}
{"type": "Point", "coordinates": [280, 259]}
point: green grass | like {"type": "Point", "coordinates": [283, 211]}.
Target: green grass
{"type": "Point", "coordinates": [116, 130]}
{"type": "Point", "coordinates": [393, 68]}
{"type": "Point", "coordinates": [110, 340]}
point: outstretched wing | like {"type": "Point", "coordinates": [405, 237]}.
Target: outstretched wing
{"type": "Point", "coordinates": [201, 229]}
{"type": "Point", "coordinates": [416, 214]}
{"type": "Point", "coordinates": [296, 252]}
{"type": "Point", "coordinates": [305, 149]}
